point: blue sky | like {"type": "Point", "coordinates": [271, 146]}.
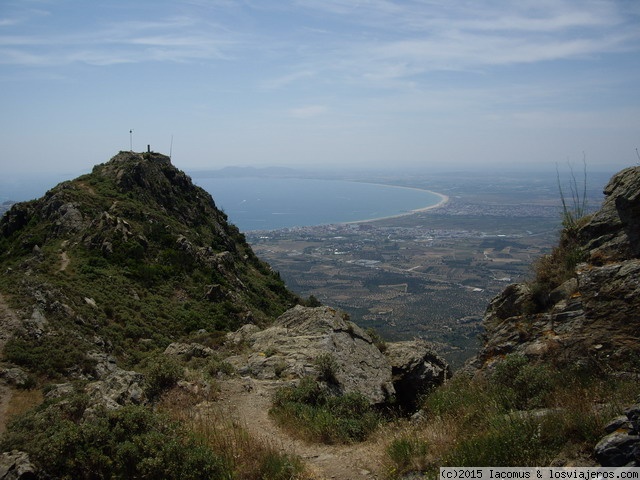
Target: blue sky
{"type": "Point", "coordinates": [438, 84]}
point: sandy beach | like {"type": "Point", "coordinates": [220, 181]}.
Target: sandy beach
{"type": "Point", "coordinates": [443, 200]}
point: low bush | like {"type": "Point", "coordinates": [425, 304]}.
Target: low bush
{"type": "Point", "coordinates": [521, 385]}
{"type": "Point", "coordinates": [310, 411]}
{"type": "Point", "coordinates": [161, 373]}
{"type": "Point", "coordinates": [327, 367]}
{"type": "Point", "coordinates": [49, 355]}
{"type": "Point", "coordinates": [131, 442]}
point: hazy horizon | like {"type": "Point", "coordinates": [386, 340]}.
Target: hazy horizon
{"type": "Point", "coordinates": [334, 83]}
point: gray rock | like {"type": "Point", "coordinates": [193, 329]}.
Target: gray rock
{"type": "Point", "coordinates": [591, 316]}
{"type": "Point", "coordinates": [290, 347]}
{"type": "Point", "coordinates": [16, 465]}
{"type": "Point", "coordinates": [105, 364]}
{"type": "Point", "coordinates": [620, 423]}
{"type": "Point", "coordinates": [15, 376]}
{"type": "Point", "coordinates": [618, 449]}
{"type": "Point", "coordinates": [613, 232]}
{"type": "Point", "coordinates": [416, 369]}
{"type": "Point", "coordinates": [116, 388]}
{"type": "Point", "coordinates": [242, 334]}
{"type": "Point", "coordinates": [188, 350]}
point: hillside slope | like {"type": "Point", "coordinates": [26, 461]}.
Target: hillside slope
{"type": "Point", "coordinates": [125, 260]}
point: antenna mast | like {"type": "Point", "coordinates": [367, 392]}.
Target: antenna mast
{"type": "Point", "coordinates": [131, 140]}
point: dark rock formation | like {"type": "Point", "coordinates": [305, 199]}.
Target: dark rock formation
{"type": "Point", "coordinates": [592, 318]}
{"type": "Point", "coordinates": [621, 447]}
{"type": "Point", "coordinates": [416, 369]}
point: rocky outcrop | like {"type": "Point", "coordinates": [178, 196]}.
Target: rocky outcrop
{"type": "Point", "coordinates": [113, 388]}
{"type": "Point", "coordinates": [592, 318]}
{"type": "Point", "coordinates": [188, 350]}
{"type": "Point", "coordinates": [415, 369]}
{"type": "Point", "coordinates": [621, 447]}
{"type": "Point", "coordinates": [16, 465]}
{"type": "Point", "coordinates": [291, 348]}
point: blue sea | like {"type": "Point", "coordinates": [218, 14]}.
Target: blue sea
{"type": "Point", "coordinates": [259, 203]}
{"type": "Point", "coordinates": [274, 203]}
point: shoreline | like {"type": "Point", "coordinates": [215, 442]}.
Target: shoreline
{"type": "Point", "coordinates": [443, 200]}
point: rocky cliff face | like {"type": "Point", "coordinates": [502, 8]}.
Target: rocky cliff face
{"type": "Point", "coordinates": [593, 317]}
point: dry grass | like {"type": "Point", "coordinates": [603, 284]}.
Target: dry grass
{"type": "Point", "coordinates": [248, 457]}
{"type": "Point", "coordinates": [471, 422]}
{"type": "Point", "coordinates": [21, 401]}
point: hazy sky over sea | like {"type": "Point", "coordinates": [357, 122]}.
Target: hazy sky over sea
{"type": "Point", "coordinates": [373, 83]}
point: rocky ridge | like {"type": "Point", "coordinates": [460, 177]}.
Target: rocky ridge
{"type": "Point", "coordinates": [589, 322]}
{"type": "Point", "coordinates": [591, 318]}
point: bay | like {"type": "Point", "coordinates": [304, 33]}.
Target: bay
{"type": "Point", "coordinates": [253, 203]}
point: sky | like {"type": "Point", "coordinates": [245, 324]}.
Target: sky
{"type": "Point", "coordinates": [361, 84]}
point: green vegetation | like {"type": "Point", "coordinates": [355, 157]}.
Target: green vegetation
{"type": "Point", "coordinates": [161, 374]}
{"type": "Point", "coordinates": [132, 442]}
{"type": "Point", "coordinates": [126, 260]}
{"type": "Point", "coordinates": [72, 440]}
{"type": "Point", "coordinates": [520, 413]}
{"type": "Point", "coordinates": [310, 411]}
{"type": "Point", "coordinates": [132, 253]}
{"type": "Point", "coordinates": [327, 367]}
{"type": "Point", "coordinates": [378, 341]}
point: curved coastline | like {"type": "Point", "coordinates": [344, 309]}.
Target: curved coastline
{"type": "Point", "coordinates": [443, 200]}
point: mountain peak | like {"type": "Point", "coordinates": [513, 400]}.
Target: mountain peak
{"type": "Point", "coordinates": [135, 255]}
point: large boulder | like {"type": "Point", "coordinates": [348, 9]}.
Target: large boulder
{"type": "Point", "coordinates": [302, 335]}
{"type": "Point", "coordinates": [307, 341]}
{"type": "Point", "coordinates": [416, 369]}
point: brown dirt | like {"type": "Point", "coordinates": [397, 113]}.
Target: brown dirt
{"type": "Point", "coordinates": [248, 402]}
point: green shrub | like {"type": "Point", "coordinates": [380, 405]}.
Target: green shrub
{"type": "Point", "coordinates": [50, 355]}
{"type": "Point", "coordinates": [469, 401]}
{"type": "Point", "coordinates": [310, 411]}
{"type": "Point", "coordinates": [216, 366]}
{"type": "Point", "coordinates": [279, 466]}
{"type": "Point", "coordinates": [131, 442]}
{"type": "Point", "coordinates": [508, 441]}
{"type": "Point", "coordinates": [521, 385]}
{"type": "Point", "coordinates": [327, 367]}
{"type": "Point", "coordinates": [162, 372]}
{"type": "Point", "coordinates": [378, 341]}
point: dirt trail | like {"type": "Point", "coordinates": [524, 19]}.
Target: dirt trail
{"type": "Point", "coordinates": [9, 323]}
{"type": "Point", "coordinates": [249, 401]}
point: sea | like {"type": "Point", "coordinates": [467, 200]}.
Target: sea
{"type": "Point", "coordinates": [269, 203]}
{"type": "Point", "coordinates": [276, 203]}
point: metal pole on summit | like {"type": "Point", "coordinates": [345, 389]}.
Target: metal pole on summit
{"type": "Point", "coordinates": [131, 140]}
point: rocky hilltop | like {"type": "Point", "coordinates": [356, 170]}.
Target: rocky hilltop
{"type": "Point", "coordinates": [129, 256]}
